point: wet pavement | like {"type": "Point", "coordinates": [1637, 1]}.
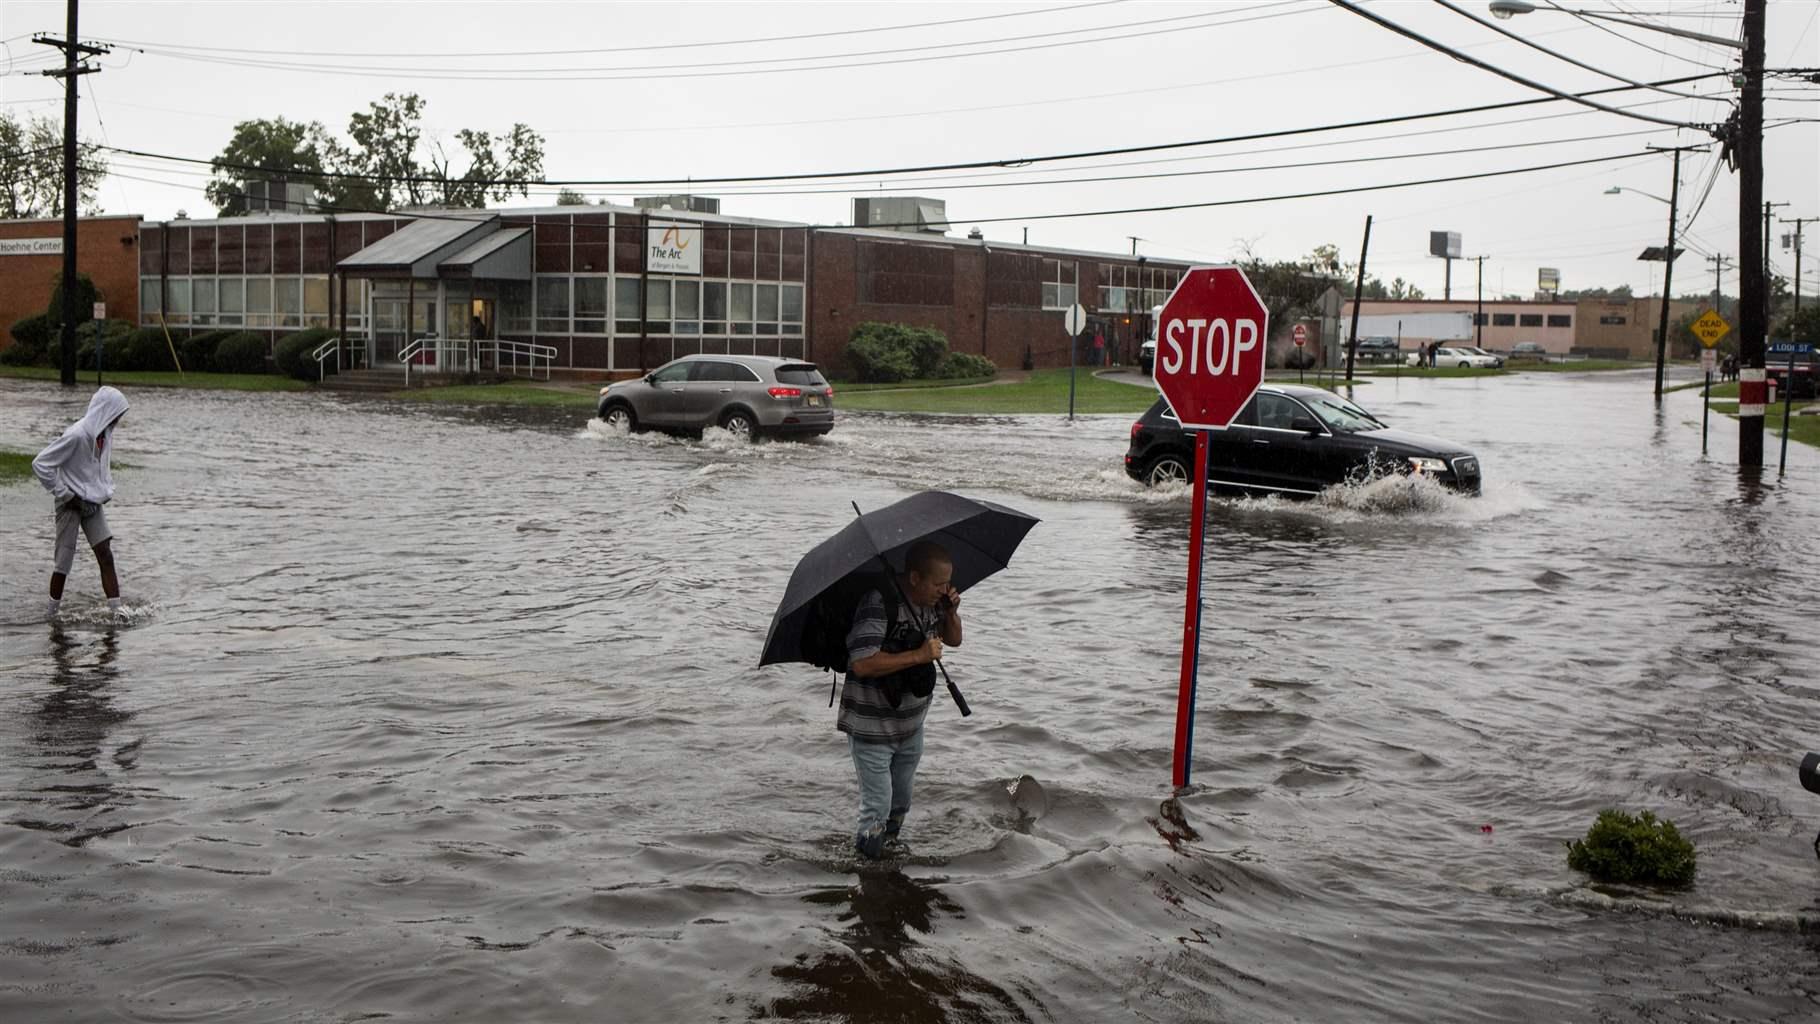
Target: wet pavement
{"type": "Point", "coordinates": [451, 714]}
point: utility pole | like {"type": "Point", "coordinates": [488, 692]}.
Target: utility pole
{"type": "Point", "coordinates": [1718, 263]}
{"type": "Point", "coordinates": [1753, 290]}
{"type": "Point", "coordinates": [1767, 282]}
{"type": "Point", "coordinates": [1358, 299]}
{"type": "Point", "coordinates": [1668, 264]}
{"type": "Point", "coordinates": [1797, 222]}
{"type": "Point", "coordinates": [1134, 241]}
{"type": "Point", "coordinates": [1478, 318]}
{"type": "Point", "coordinates": [73, 52]}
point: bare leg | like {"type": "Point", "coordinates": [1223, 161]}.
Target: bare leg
{"type": "Point", "coordinates": [57, 579]}
{"type": "Point", "coordinates": [104, 557]}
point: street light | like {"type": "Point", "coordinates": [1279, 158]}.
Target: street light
{"type": "Point", "coordinates": [1615, 189]}
{"type": "Point", "coordinates": [1742, 139]}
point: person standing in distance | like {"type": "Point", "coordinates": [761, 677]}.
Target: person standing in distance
{"type": "Point", "coordinates": [77, 469]}
{"type": "Point", "coordinates": [891, 655]}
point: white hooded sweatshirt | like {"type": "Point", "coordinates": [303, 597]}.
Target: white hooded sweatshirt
{"type": "Point", "coordinates": [78, 464]}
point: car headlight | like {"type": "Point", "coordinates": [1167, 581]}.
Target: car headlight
{"type": "Point", "coordinates": [1422, 465]}
{"type": "Point", "coordinates": [603, 391]}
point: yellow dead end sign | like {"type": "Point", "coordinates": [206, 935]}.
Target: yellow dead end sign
{"type": "Point", "coordinates": [1710, 328]}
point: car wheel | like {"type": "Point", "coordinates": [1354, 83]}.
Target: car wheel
{"type": "Point", "coordinates": [620, 416]}
{"type": "Point", "coordinates": [1167, 469]}
{"type": "Point", "coordinates": [739, 423]}
{"type": "Point", "coordinates": [1465, 366]}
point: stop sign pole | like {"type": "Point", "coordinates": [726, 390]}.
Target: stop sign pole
{"type": "Point", "coordinates": [1209, 362]}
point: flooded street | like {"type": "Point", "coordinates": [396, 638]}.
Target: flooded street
{"type": "Point", "coordinates": [452, 714]}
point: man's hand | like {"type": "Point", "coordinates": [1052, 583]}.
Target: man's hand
{"type": "Point", "coordinates": [950, 601]}
{"type": "Point", "coordinates": [932, 651]}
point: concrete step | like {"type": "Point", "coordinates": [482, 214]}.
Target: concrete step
{"type": "Point", "coordinates": [365, 380]}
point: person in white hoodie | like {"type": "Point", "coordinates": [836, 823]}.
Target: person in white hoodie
{"type": "Point", "coordinates": [76, 469]}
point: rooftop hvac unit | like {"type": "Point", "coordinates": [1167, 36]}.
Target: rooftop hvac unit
{"type": "Point", "coordinates": [276, 195]}
{"type": "Point", "coordinates": [678, 203]}
{"type": "Point", "coordinates": [912, 214]}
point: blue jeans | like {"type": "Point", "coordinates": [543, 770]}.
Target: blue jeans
{"type": "Point", "coordinates": [885, 772]}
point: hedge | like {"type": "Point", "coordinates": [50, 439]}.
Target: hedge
{"type": "Point", "coordinates": [292, 354]}
{"type": "Point", "coordinates": [240, 352]}
{"type": "Point", "coordinates": [885, 353]}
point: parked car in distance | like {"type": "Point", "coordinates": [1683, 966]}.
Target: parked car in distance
{"type": "Point", "coordinates": [745, 395]}
{"type": "Point", "coordinates": [1377, 349]}
{"type": "Point", "coordinates": [1294, 441]}
{"type": "Point", "coordinates": [1806, 368]}
{"type": "Point", "coordinates": [1460, 356]}
{"type": "Point", "coordinates": [1531, 350]}
{"type": "Point", "coordinates": [1147, 351]}
{"type": "Point", "coordinates": [1499, 360]}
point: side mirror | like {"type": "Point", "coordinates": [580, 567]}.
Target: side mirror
{"type": "Point", "coordinates": [1305, 425]}
{"type": "Point", "coordinates": [650, 378]}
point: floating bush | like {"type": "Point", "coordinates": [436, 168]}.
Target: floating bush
{"type": "Point", "coordinates": [1640, 849]}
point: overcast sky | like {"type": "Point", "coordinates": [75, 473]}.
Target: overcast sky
{"type": "Point", "coordinates": [184, 73]}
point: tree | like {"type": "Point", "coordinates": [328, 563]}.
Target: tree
{"type": "Point", "coordinates": [1620, 292]}
{"type": "Point", "coordinates": [1802, 326]}
{"type": "Point", "coordinates": [31, 169]}
{"type": "Point", "coordinates": [386, 161]}
{"type": "Point", "coordinates": [1401, 289]}
{"type": "Point", "coordinates": [281, 150]}
{"type": "Point", "coordinates": [570, 197]}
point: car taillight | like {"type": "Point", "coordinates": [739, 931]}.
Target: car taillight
{"type": "Point", "coordinates": [1135, 427]}
{"type": "Point", "coordinates": [830, 391]}
{"type": "Point", "coordinates": [786, 392]}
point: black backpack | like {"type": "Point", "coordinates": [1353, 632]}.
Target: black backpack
{"type": "Point", "coordinates": [830, 619]}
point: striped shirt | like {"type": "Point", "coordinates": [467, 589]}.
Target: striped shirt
{"type": "Point", "coordinates": [865, 707]}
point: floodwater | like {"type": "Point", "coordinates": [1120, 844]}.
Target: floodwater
{"type": "Point", "coordinates": [430, 715]}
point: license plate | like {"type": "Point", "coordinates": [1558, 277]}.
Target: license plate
{"type": "Point", "coordinates": [815, 400]}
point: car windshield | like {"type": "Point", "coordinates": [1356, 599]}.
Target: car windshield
{"type": "Point", "coordinates": [802, 375]}
{"type": "Point", "coordinates": [1339, 414]}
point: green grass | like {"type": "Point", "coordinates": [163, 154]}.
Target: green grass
{"type": "Point", "coordinates": [501, 394]}
{"type": "Point", "coordinates": [1426, 371]}
{"type": "Point", "coordinates": [165, 379]}
{"type": "Point", "coordinates": [1046, 391]}
{"type": "Point", "coordinates": [858, 387]}
{"type": "Point", "coordinates": [14, 467]}
{"type": "Point", "coordinates": [1580, 366]}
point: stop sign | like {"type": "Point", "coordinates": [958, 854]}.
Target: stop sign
{"type": "Point", "coordinates": [1210, 346]}
{"type": "Point", "coordinates": [1300, 334]}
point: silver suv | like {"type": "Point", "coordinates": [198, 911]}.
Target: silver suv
{"type": "Point", "coordinates": [746, 395]}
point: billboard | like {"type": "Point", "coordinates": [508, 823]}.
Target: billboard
{"type": "Point", "coordinates": [1548, 279]}
{"type": "Point", "coordinates": [672, 247]}
{"type": "Point", "coordinates": [1444, 243]}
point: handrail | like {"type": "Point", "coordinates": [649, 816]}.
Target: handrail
{"type": "Point", "coordinates": [411, 352]}
{"type": "Point", "coordinates": [323, 351]}
{"type": "Point", "coordinates": [530, 350]}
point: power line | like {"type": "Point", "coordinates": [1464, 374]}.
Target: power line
{"type": "Point", "coordinates": [1532, 44]}
{"type": "Point", "coordinates": [795, 37]}
{"type": "Point", "coordinates": [739, 68]}
{"type": "Point", "coordinates": [915, 169]}
{"type": "Point", "coordinates": [1440, 47]}
{"type": "Point", "coordinates": [1166, 208]}
{"type": "Point", "coordinates": [1634, 42]}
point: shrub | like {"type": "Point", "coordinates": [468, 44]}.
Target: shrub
{"type": "Point", "coordinates": [143, 349]}
{"type": "Point", "coordinates": [113, 334]}
{"type": "Point", "coordinates": [956, 365]}
{"type": "Point", "coordinates": [1622, 848]}
{"type": "Point", "coordinates": [240, 352]}
{"type": "Point", "coordinates": [292, 353]}
{"type": "Point", "coordinates": [86, 297]}
{"type": "Point", "coordinates": [198, 350]}
{"type": "Point", "coordinates": [886, 352]}
{"type": "Point", "coordinates": [32, 338]}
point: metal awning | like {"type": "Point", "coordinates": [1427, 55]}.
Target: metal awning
{"type": "Point", "coordinates": [416, 249]}
{"type": "Point", "coordinates": [501, 256]}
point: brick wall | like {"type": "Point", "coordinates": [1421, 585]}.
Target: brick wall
{"type": "Point", "coordinates": [107, 250]}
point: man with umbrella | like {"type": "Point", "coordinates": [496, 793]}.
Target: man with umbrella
{"type": "Point", "coordinates": [878, 601]}
{"type": "Point", "coordinates": [892, 651]}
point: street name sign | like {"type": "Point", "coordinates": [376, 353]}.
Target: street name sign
{"type": "Point", "coordinates": [1710, 328]}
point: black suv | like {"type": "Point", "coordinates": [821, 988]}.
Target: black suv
{"type": "Point", "coordinates": [1293, 440]}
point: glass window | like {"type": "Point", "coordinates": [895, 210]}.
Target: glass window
{"type": "Point", "coordinates": [1612, 318]}
{"type": "Point", "coordinates": [316, 301]}
{"type": "Point", "coordinates": [1278, 413]}
{"type": "Point", "coordinates": [515, 307]}
{"type": "Point", "coordinates": [202, 300]}
{"type": "Point", "coordinates": [233, 299]}
{"type": "Point", "coordinates": [552, 305]}
{"type": "Point", "coordinates": [150, 292]}
{"type": "Point", "coordinates": [715, 370]}
{"type": "Point", "coordinates": [657, 300]}
{"type": "Point", "coordinates": [625, 305]}
{"type": "Point", "coordinates": [740, 312]}
{"type": "Point", "coordinates": [802, 375]}
{"type": "Point", "coordinates": [1560, 320]}
{"type": "Point", "coordinates": [1504, 319]}
{"type": "Point", "coordinates": [767, 303]}
{"type": "Point", "coordinates": [287, 302]}
{"type": "Point", "coordinates": [177, 301]}
{"type": "Point", "coordinates": [688, 307]}
{"type": "Point", "coordinates": [714, 307]}
{"type": "Point", "coordinates": [591, 305]}
{"type": "Point", "coordinates": [259, 302]}
{"type": "Point", "coordinates": [675, 373]}
{"type": "Point", "coordinates": [793, 304]}
{"type": "Point", "coordinates": [1529, 320]}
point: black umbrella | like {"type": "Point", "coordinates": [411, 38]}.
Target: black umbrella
{"type": "Point", "coordinates": [980, 537]}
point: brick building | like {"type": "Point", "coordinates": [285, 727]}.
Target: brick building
{"type": "Point", "coordinates": [611, 289]}
{"type": "Point", "coordinates": [1605, 328]}
{"type": "Point", "coordinates": [31, 258]}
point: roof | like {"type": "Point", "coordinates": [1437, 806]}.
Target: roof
{"type": "Point", "coordinates": [502, 255]}
{"type": "Point", "coordinates": [419, 246]}
{"type": "Point", "coordinates": [886, 234]}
